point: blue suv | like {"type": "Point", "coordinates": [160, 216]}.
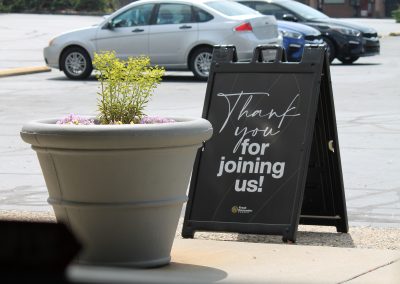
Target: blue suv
{"type": "Point", "coordinates": [295, 36]}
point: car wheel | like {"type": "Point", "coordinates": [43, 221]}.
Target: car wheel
{"type": "Point", "coordinates": [76, 63]}
{"type": "Point", "coordinates": [331, 50]}
{"type": "Point", "coordinates": [200, 62]}
{"type": "Point", "coordinates": [349, 60]}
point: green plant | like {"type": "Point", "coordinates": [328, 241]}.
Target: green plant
{"type": "Point", "coordinates": [396, 15]}
{"type": "Point", "coordinates": [125, 87]}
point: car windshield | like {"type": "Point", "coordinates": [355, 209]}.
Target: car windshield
{"type": "Point", "coordinates": [303, 10]}
{"type": "Point", "coordinates": [229, 8]}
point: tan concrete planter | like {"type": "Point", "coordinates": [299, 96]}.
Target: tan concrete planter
{"type": "Point", "coordinates": [119, 187]}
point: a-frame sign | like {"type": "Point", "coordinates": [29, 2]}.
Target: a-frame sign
{"type": "Point", "coordinates": [274, 159]}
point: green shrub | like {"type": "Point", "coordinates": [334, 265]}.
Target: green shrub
{"type": "Point", "coordinates": [34, 5]}
{"type": "Point", "coordinates": [16, 6]}
{"type": "Point", "coordinates": [125, 87]}
{"type": "Point", "coordinates": [396, 15]}
{"type": "Point", "coordinates": [12, 5]}
{"type": "Point", "coordinates": [90, 5]}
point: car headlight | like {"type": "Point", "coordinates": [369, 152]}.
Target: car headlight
{"type": "Point", "coordinates": [347, 31]}
{"type": "Point", "coordinates": [51, 42]}
{"type": "Point", "coordinates": [291, 34]}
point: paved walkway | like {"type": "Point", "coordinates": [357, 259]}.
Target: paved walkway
{"type": "Point", "coordinates": [226, 258]}
{"type": "Point", "coordinates": [205, 261]}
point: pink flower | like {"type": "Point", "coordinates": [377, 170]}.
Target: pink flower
{"type": "Point", "coordinates": [76, 120]}
{"type": "Point", "coordinates": [155, 119]}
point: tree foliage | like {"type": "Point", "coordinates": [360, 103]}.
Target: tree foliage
{"type": "Point", "coordinates": [15, 6]}
{"type": "Point", "coordinates": [396, 15]}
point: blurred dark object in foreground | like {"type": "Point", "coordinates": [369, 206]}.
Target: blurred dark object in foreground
{"type": "Point", "coordinates": [35, 252]}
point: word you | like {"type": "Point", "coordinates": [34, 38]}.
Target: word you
{"type": "Point", "coordinates": [241, 107]}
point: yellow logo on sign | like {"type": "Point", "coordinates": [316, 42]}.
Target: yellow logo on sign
{"type": "Point", "coordinates": [235, 209]}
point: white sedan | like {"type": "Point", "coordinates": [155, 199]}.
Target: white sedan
{"type": "Point", "coordinates": [176, 34]}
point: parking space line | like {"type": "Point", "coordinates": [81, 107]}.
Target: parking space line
{"type": "Point", "coordinates": [23, 71]}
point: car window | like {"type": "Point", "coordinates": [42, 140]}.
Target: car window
{"type": "Point", "coordinates": [174, 14]}
{"type": "Point", "coordinates": [303, 10]}
{"type": "Point", "coordinates": [266, 8]}
{"type": "Point", "coordinates": [230, 8]}
{"type": "Point", "coordinates": [202, 16]}
{"type": "Point", "coordinates": [137, 16]}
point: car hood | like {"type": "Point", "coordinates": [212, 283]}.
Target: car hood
{"type": "Point", "coordinates": [339, 23]}
{"type": "Point", "coordinates": [82, 33]}
{"type": "Point", "coordinates": [297, 27]}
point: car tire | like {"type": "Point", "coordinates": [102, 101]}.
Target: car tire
{"type": "Point", "coordinates": [200, 62]}
{"type": "Point", "coordinates": [331, 49]}
{"type": "Point", "coordinates": [76, 63]}
{"type": "Point", "coordinates": [349, 60]}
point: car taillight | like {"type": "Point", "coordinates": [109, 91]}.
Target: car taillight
{"type": "Point", "coordinates": [246, 27]}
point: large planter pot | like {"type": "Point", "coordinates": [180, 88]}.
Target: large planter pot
{"type": "Point", "coordinates": [120, 188]}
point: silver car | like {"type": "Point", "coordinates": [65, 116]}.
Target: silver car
{"type": "Point", "coordinates": [176, 34]}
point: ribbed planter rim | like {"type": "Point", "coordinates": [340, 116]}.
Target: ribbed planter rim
{"type": "Point", "coordinates": [185, 131]}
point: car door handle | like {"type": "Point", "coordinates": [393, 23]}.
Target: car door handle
{"type": "Point", "coordinates": [185, 27]}
{"type": "Point", "coordinates": [138, 30]}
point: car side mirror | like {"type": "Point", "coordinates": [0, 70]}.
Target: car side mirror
{"type": "Point", "coordinates": [289, 17]}
{"type": "Point", "coordinates": [109, 25]}
{"type": "Point", "coordinates": [115, 23]}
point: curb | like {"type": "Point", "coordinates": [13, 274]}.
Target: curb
{"type": "Point", "coordinates": [23, 71]}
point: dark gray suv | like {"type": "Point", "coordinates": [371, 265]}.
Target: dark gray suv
{"type": "Point", "coordinates": [346, 41]}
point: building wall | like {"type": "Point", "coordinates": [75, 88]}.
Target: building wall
{"type": "Point", "coordinates": [344, 10]}
{"type": "Point", "coordinates": [389, 6]}
{"type": "Point", "coordinates": [379, 11]}
{"type": "Point", "coordinates": [349, 8]}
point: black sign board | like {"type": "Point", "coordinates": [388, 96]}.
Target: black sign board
{"type": "Point", "coordinates": [274, 145]}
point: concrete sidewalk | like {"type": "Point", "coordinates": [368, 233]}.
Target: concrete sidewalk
{"type": "Point", "coordinates": [206, 261]}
